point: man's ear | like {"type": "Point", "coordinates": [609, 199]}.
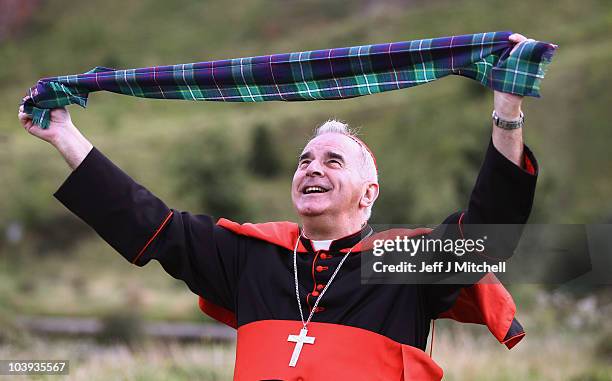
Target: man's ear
{"type": "Point", "coordinates": [370, 195]}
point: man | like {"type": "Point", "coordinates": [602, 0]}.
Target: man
{"type": "Point", "coordinates": [294, 294]}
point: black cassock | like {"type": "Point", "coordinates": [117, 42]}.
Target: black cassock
{"type": "Point", "coordinates": [243, 275]}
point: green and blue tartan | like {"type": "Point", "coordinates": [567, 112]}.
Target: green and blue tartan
{"type": "Point", "coordinates": [314, 75]}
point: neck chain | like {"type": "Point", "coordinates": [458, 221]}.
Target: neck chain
{"type": "Point", "coordinates": [303, 337]}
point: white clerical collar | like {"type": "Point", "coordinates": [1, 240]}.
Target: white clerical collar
{"type": "Point", "coordinates": [321, 244]}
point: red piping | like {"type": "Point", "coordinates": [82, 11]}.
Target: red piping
{"type": "Point", "coordinates": [511, 342]}
{"type": "Point", "coordinates": [159, 229]}
{"type": "Point", "coordinates": [314, 287]}
{"type": "Point", "coordinates": [459, 223]}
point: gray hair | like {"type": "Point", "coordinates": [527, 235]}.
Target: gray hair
{"type": "Point", "coordinates": [369, 172]}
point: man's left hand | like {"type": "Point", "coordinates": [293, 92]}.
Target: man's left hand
{"type": "Point", "coordinates": [508, 106]}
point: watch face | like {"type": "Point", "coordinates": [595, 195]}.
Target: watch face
{"type": "Point", "coordinates": [511, 125]}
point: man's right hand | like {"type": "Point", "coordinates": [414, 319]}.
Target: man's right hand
{"type": "Point", "coordinates": [62, 134]}
{"type": "Point", "coordinates": [60, 126]}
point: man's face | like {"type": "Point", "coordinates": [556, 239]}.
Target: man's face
{"type": "Point", "coordinates": [328, 179]}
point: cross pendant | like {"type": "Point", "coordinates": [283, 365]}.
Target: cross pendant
{"type": "Point", "coordinates": [299, 341]}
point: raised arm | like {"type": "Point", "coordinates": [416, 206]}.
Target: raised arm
{"type": "Point", "coordinates": [503, 194]}
{"type": "Point", "coordinates": [509, 142]}
{"type": "Point", "coordinates": [505, 187]}
{"type": "Point", "coordinates": [138, 224]}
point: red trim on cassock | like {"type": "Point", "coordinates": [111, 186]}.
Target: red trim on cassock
{"type": "Point", "coordinates": [159, 229]}
{"type": "Point", "coordinates": [488, 303]}
{"type": "Point", "coordinates": [528, 165]}
{"type": "Point", "coordinates": [511, 342]}
{"type": "Point", "coordinates": [282, 233]}
{"type": "Point", "coordinates": [217, 312]}
{"type": "Point", "coordinates": [368, 243]}
{"type": "Point", "coordinates": [356, 354]}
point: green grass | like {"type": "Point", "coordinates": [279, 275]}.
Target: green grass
{"type": "Point", "coordinates": [95, 282]}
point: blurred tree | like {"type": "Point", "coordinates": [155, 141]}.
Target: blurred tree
{"type": "Point", "coordinates": [211, 170]}
{"type": "Point", "coordinates": [394, 207]}
{"type": "Point", "coordinates": [264, 159]}
{"type": "Point", "coordinates": [14, 16]}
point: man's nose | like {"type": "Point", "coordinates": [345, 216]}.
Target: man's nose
{"type": "Point", "coordinates": [314, 169]}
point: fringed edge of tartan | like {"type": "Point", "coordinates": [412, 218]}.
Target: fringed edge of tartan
{"type": "Point", "coordinates": [545, 61]}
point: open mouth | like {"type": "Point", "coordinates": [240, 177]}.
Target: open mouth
{"type": "Point", "coordinates": [313, 189]}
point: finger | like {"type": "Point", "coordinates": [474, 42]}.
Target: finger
{"type": "Point", "coordinates": [520, 44]}
{"type": "Point", "coordinates": [26, 125]}
{"type": "Point", "coordinates": [517, 37]}
{"type": "Point", "coordinates": [23, 117]}
{"type": "Point", "coordinates": [21, 108]}
{"type": "Point", "coordinates": [34, 129]}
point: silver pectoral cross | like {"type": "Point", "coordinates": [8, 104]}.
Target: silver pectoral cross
{"type": "Point", "coordinates": [299, 341]}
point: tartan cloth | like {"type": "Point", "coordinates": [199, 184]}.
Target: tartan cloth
{"type": "Point", "coordinates": [313, 75]}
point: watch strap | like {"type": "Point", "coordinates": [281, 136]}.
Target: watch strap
{"type": "Point", "coordinates": [508, 124]}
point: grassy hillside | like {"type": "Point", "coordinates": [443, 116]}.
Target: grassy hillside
{"type": "Point", "coordinates": [429, 139]}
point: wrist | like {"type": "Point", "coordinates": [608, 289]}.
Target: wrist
{"type": "Point", "coordinates": [74, 147]}
{"type": "Point", "coordinates": [507, 106]}
{"type": "Point", "coordinates": [68, 136]}
{"type": "Point", "coordinates": [509, 114]}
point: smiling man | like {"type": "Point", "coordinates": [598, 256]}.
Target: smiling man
{"type": "Point", "coordinates": [335, 183]}
{"type": "Point", "coordinates": [293, 292]}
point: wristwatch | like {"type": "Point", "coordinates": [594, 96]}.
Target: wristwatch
{"type": "Point", "coordinates": [508, 124]}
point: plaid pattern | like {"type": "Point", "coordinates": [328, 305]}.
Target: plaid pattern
{"type": "Point", "coordinates": [321, 74]}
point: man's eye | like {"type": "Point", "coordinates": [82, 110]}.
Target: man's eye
{"type": "Point", "coordinates": [303, 163]}
{"type": "Point", "coordinates": [335, 163]}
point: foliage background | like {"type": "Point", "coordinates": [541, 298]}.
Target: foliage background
{"type": "Point", "coordinates": [429, 143]}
